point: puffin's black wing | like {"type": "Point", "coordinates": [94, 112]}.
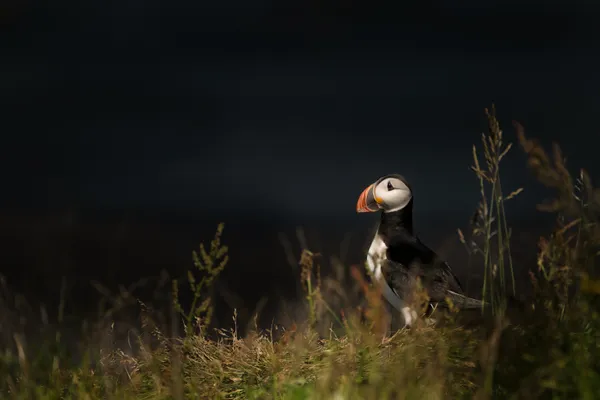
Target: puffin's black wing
{"type": "Point", "coordinates": [400, 278]}
{"type": "Point", "coordinates": [446, 285]}
{"type": "Point", "coordinates": [434, 279]}
{"type": "Point", "coordinates": [408, 261]}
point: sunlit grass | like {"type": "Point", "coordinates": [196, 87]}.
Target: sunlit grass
{"type": "Point", "coordinates": [546, 348]}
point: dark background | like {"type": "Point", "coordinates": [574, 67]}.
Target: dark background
{"type": "Point", "coordinates": [130, 128]}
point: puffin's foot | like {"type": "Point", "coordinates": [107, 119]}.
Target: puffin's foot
{"type": "Point", "coordinates": [410, 316]}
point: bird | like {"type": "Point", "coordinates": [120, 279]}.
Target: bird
{"type": "Point", "coordinates": [397, 259]}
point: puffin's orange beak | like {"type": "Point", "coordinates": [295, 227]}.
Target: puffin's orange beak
{"type": "Point", "coordinates": [367, 201]}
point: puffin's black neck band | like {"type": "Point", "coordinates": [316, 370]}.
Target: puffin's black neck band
{"type": "Point", "coordinates": [397, 223]}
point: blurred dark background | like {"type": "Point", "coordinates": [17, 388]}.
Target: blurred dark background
{"type": "Point", "coordinates": [130, 129]}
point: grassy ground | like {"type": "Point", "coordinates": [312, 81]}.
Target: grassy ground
{"type": "Point", "coordinates": [545, 347]}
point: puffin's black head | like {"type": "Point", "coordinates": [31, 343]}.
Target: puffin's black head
{"type": "Point", "coordinates": [389, 193]}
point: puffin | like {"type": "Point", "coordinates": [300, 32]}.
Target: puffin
{"type": "Point", "coordinates": [397, 259]}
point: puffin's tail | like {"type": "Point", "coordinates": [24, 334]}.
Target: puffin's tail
{"type": "Point", "coordinates": [462, 301]}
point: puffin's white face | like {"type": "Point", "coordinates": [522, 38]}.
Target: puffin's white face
{"type": "Point", "coordinates": [390, 193]}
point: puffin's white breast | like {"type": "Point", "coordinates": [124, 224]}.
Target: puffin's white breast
{"type": "Point", "coordinates": [375, 257]}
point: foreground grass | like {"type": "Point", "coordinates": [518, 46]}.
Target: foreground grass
{"type": "Point", "coordinates": [426, 363]}
{"type": "Point", "coordinates": [547, 347]}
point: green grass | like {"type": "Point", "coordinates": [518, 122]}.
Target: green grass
{"type": "Point", "coordinates": [546, 348]}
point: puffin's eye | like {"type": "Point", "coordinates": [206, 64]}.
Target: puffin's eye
{"type": "Point", "coordinates": [389, 186]}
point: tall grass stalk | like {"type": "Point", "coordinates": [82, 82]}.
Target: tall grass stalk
{"type": "Point", "coordinates": [491, 222]}
{"type": "Point", "coordinates": [209, 264]}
